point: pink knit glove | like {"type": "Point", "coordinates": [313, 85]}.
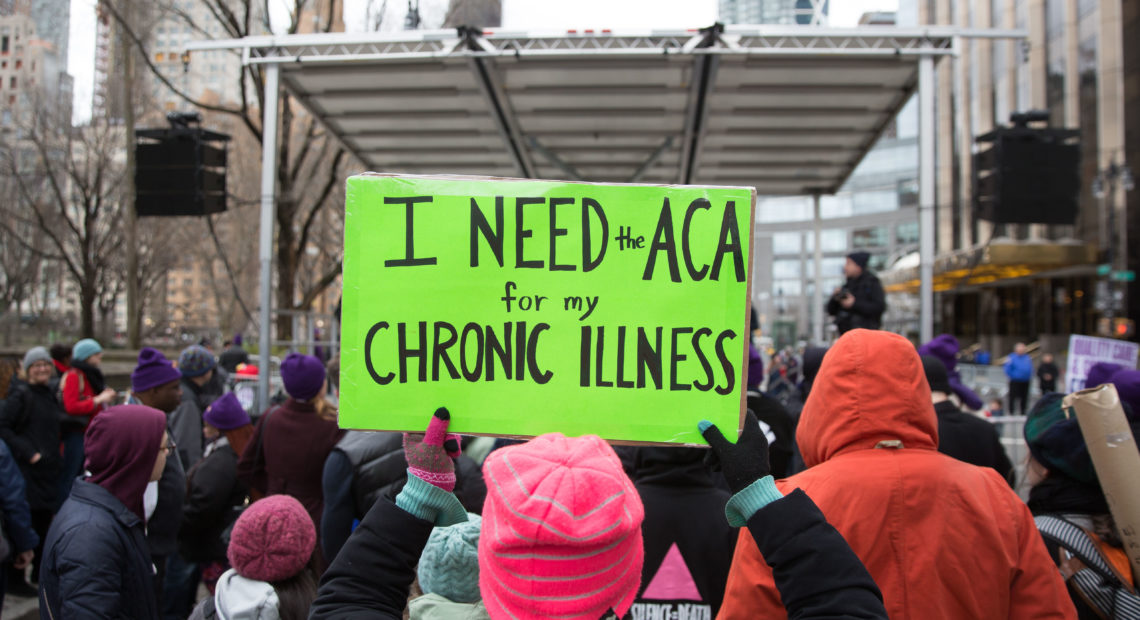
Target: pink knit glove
{"type": "Point", "coordinates": [430, 455]}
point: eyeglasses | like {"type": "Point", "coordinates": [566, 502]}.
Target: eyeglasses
{"type": "Point", "coordinates": [169, 448]}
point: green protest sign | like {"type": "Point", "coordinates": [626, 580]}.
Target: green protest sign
{"type": "Point", "coordinates": [528, 307]}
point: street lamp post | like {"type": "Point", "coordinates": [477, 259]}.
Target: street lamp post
{"type": "Point", "coordinates": [1104, 188]}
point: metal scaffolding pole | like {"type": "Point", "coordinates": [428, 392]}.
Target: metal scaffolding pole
{"type": "Point", "coordinates": [817, 292]}
{"type": "Point", "coordinates": [265, 252]}
{"type": "Point", "coordinates": [926, 154]}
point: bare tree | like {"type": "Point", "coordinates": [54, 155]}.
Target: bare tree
{"type": "Point", "coordinates": [19, 262]}
{"type": "Point", "coordinates": [67, 188]}
{"type": "Point", "coordinates": [310, 162]}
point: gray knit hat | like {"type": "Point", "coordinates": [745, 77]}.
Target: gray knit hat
{"type": "Point", "coordinates": [36, 354]}
{"type": "Point", "coordinates": [449, 565]}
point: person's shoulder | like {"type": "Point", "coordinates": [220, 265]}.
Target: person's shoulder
{"type": "Point", "coordinates": [967, 420]}
{"type": "Point", "coordinates": [83, 525]}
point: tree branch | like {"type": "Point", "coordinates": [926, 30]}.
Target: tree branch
{"type": "Point", "coordinates": [138, 43]}
{"type": "Point", "coordinates": [319, 202]}
{"type": "Point", "coordinates": [316, 289]}
{"type": "Point", "coordinates": [229, 270]}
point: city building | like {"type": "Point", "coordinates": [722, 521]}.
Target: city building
{"type": "Point", "coordinates": [782, 12]}
{"type": "Point", "coordinates": [998, 284]}
{"type": "Point", "coordinates": [875, 211]}
{"type": "Point", "coordinates": [33, 78]}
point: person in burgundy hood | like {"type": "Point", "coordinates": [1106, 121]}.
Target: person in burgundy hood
{"type": "Point", "coordinates": [943, 539]}
{"type": "Point", "coordinates": [96, 560]}
{"type": "Point", "coordinates": [291, 442]}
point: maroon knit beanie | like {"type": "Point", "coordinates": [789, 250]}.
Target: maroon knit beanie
{"type": "Point", "coordinates": [272, 540]}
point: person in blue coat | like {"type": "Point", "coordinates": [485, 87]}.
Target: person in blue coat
{"type": "Point", "coordinates": [1019, 370]}
{"type": "Point", "coordinates": [96, 560]}
{"type": "Point", "coordinates": [17, 518]}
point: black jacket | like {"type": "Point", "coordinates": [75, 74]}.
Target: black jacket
{"type": "Point", "coordinates": [684, 510]}
{"type": "Point", "coordinates": [162, 529]}
{"type": "Point", "coordinates": [971, 439]}
{"type": "Point", "coordinates": [232, 357]}
{"type": "Point", "coordinates": [870, 303]}
{"type": "Point", "coordinates": [1048, 369]}
{"type": "Point", "coordinates": [96, 562]}
{"type": "Point", "coordinates": [212, 492]}
{"type": "Point", "coordinates": [14, 511]}
{"type": "Point", "coordinates": [185, 422]}
{"type": "Point", "coordinates": [816, 572]}
{"type": "Point", "coordinates": [365, 466]}
{"type": "Point", "coordinates": [29, 423]}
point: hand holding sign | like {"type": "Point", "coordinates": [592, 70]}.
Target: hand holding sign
{"type": "Point", "coordinates": [430, 455]}
{"type": "Point", "coordinates": [744, 462]}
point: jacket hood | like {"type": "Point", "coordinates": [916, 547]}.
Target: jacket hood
{"type": "Point", "coordinates": [945, 347]}
{"type": "Point", "coordinates": [238, 598]}
{"type": "Point", "coordinates": [122, 445]}
{"type": "Point", "coordinates": [870, 388]}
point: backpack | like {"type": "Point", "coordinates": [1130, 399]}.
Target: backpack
{"type": "Point", "coordinates": [1102, 581]}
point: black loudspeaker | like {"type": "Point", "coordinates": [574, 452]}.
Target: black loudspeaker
{"type": "Point", "coordinates": [1028, 176]}
{"type": "Point", "coordinates": [180, 171]}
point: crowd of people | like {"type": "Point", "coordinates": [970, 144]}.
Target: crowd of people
{"type": "Point", "coordinates": [868, 489]}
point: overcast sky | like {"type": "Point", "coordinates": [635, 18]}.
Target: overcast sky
{"type": "Point", "coordinates": [517, 14]}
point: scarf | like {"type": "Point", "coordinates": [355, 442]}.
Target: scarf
{"type": "Point", "coordinates": [1060, 494]}
{"type": "Point", "coordinates": [94, 376]}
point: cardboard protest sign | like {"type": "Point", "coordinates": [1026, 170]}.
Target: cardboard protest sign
{"type": "Point", "coordinates": [1113, 451]}
{"type": "Point", "coordinates": [1086, 351]}
{"type": "Point", "coordinates": [528, 307]}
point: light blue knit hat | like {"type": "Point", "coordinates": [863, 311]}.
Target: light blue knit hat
{"type": "Point", "coordinates": [84, 349]}
{"type": "Point", "coordinates": [449, 566]}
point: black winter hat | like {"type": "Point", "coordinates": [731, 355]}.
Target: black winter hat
{"type": "Point", "coordinates": [860, 258]}
{"type": "Point", "coordinates": [936, 374]}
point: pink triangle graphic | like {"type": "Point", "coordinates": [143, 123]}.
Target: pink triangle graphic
{"type": "Point", "coordinates": [673, 581]}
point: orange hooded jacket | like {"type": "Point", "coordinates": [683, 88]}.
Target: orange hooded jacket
{"type": "Point", "coordinates": [942, 538]}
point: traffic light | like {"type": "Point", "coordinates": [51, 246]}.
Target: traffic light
{"type": "Point", "coordinates": [1025, 175]}
{"type": "Point", "coordinates": [1118, 327]}
{"type": "Point", "coordinates": [1123, 328]}
{"type": "Point", "coordinates": [180, 170]}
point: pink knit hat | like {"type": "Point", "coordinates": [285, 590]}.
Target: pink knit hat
{"type": "Point", "coordinates": [561, 531]}
{"type": "Point", "coordinates": [272, 540]}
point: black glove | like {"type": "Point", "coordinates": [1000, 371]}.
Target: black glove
{"type": "Point", "coordinates": [744, 462]}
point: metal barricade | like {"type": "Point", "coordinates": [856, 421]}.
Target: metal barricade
{"type": "Point", "coordinates": [1011, 430]}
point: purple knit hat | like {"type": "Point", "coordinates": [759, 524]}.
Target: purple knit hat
{"type": "Point", "coordinates": [153, 370]}
{"type": "Point", "coordinates": [196, 361]}
{"type": "Point", "coordinates": [226, 413]}
{"type": "Point", "coordinates": [1101, 373]}
{"type": "Point", "coordinates": [945, 347]}
{"type": "Point", "coordinates": [755, 367]}
{"type": "Point", "coordinates": [1127, 384]}
{"type": "Point", "coordinates": [303, 376]}
{"type": "Point", "coordinates": [272, 540]}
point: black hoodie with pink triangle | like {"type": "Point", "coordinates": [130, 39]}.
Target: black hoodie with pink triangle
{"type": "Point", "coordinates": [688, 542]}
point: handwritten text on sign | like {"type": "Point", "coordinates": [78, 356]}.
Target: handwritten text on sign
{"type": "Point", "coordinates": [532, 306]}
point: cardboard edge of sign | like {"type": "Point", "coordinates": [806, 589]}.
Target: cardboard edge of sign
{"type": "Point", "coordinates": [476, 177]}
{"type": "Point", "coordinates": [616, 442]}
{"type": "Point", "coordinates": [747, 331]}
